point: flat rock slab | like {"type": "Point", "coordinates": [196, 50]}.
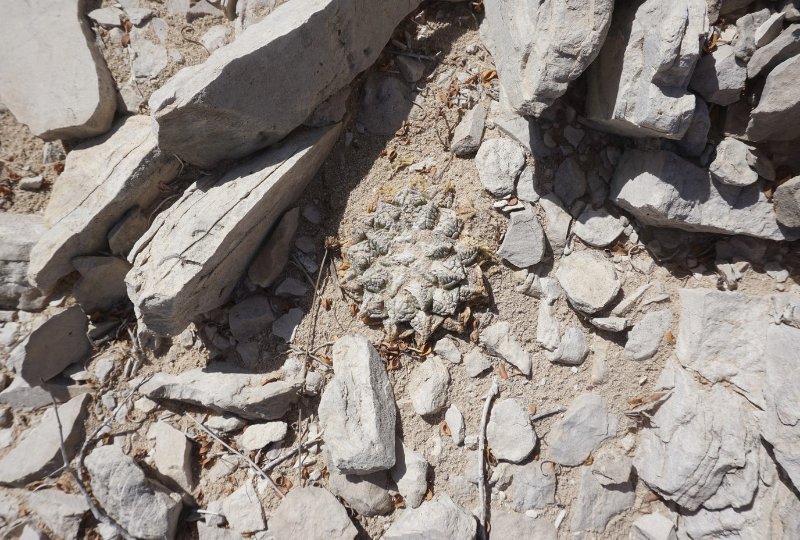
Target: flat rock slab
{"type": "Point", "coordinates": [524, 243]}
{"type": "Point", "coordinates": [777, 116]}
{"type": "Point", "coordinates": [20, 232]}
{"type": "Point", "coordinates": [539, 49]}
{"type": "Point", "coordinates": [662, 189]}
{"type": "Point", "coordinates": [787, 202]}
{"type": "Point", "coordinates": [102, 180]}
{"type": "Point", "coordinates": [410, 474]}
{"type": "Point", "coordinates": [596, 504]}
{"type": "Point", "coordinates": [102, 282]}
{"type": "Point", "coordinates": [218, 388]}
{"type": "Point", "coordinates": [589, 280]}
{"type": "Point", "coordinates": [509, 432]}
{"type": "Point", "coordinates": [645, 337]}
{"type": "Point", "coordinates": [366, 494]}
{"type": "Point", "coordinates": [357, 409]}
{"type": "Point", "coordinates": [514, 525]}
{"type": "Point", "coordinates": [172, 456]}
{"type": "Point", "coordinates": [533, 486]}
{"type": "Point", "coordinates": [719, 76]}
{"type": "Point", "coordinates": [61, 512]}
{"type": "Point", "coordinates": [195, 252]}
{"type": "Point", "coordinates": [56, 83]}
{"type": "Point", "coordinates": [597, 227]}
{"type": "Point", "coordinates": [499, 341]}
{"type": "Point", "coordinates": [637, 86]}
{"type": "Point", "coordinates": [439, 517]}
{"type": "Point", "coordinates": [312, 513]}
{"type": "Point", "coordinates": [122, 489]}
{"type": "Point", "coordinates": [234, 104]}
{"type": "Point", "coordinates": [38, 452]}
{"type": "Point", "coordinates": [428, 386]}
{"type": "Point", "coordinates": [499, 162]}
{"type": "Point", "coordinates": [586, 424]}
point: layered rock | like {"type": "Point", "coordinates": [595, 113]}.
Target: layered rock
{"type": "Point", "coordinates": [255, 91]}
{"type": "Point", "coordinates": [52, 75]}
{"type": "Point", "coordinates": [540, 47]}
{"type": "Point", "coordinates": [102, 180]}
{"type": "Point", "coordinates": [664, 190]}
{"type": "Point", "coordinates": [777, 115]}
{"type": "Point", "coordinates": [20, 232]}
{"type": "Point", "coordinates": [195, 252]}
{"type": "Point", "coordinates": [637, 85]}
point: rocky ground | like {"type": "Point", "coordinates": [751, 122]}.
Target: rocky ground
{"type": "Point", "coordinates": [470, 294]}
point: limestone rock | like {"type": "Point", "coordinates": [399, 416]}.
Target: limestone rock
{"type": "Point", "coordinates": [124, 234]}
{"type": "Point", "coordinates": [499, 162]}
{"type": "Point", "coordinates": [366, 494]}
{"type": "Point", "coordinates": [782, 48]}
{"type": "Point", "coordinates": [597, 227]}
{"type": "Point", "coordinates": [384, 104]}
{"type": "Point", "coordinates": [38, 451]}
{"type": "Point", "coordinates": [242, 509]}
{"type": "Point", "coordinates": [203, 118]}
{"type": "Point", "coordinates": [469, 131]}
{"type": "Point", "coordinates": [439, 517]}
{"type": "Point", "coordinates": [172, 456]}
{"type": "Point", "coordinates": [178, 272]}
{"type": "Point", "coordinates": [274, 254]}
{"type": "Point", "coordinates": [589, 280]}
{"type": "Point", "coordinates": [746, 25]}
{"type": "Point", "coordinates": [694, 141]}
{"type": "Point", "coordinates": [410, 473]}
{"type": "Point", "coordinates": [258, 436]}
{"type": "Point", "coordinates": [653, 527]}
{"type": "Point", "coordinates": [533, 486]}
{"type": "Point", "coordinates": [524, 242]}
{"type": "Point", "coordinates": [663, 190]}
{"type": "Point", "coordinates": [610, 324]}
{"type": "Point", "coordinates": [476, 362]}
{"type": "Point", "coordinates": [644, 339]}
{"type": "Point", "coordinates": [572, 348]}
{"type": "Point", "coordinates": [55, 82]}
{"type": "Point", "coordinates": [731, 166]}
{"type": "Point", "coordinates": [719, 76]}
{"type": "Point", "coordinates": [769, 29]}
{"type": "Point", "coordinates": [702, 448]}
{"type": "Point", "coordinates": [498, 340]}
{"type": "Point", "coordinates": [540, 48]}
{"type": "Point", "coordinates": [447, 349]}
{"type": "Point", "coordinates": [222, 389]}
{"type": "Point", "coordinates": [102, 180]}
{"type": "Point", "coordinates": [557, 222]}
{"type": "Point", "coordinates": [585, 425]}
{"type": "Point", "coordinates": [637, 86]}
{"type": "Point", "coordinates": [61, 512]}
{"type": "Point", "coordinates": [597, 504]}
{"type": "Point", "coordinates": [786, 200]}
{"type": "Point", "coordinates": [514, 525]}
{"type": "Point", "coordinates": [509, 432]}
{"type": "Point", "coordinates": [102, 282]}
{"type": "Point", "coordinates": [611, 468]}
{"type": "Point", "coordinates": [777, 115]}
{"type": "Point", "coordinates": [58, 342]}
{"type": "Point", "coordinates": [428, 386]}
{"type": "Point", "coordinates": [311, 513]}
{"type": "Point", "coordinates": [455, 422]}
{"type": "Point", "coordinates": [357, 409]}
{"type": "Point", "coordinates": [20, 232]}
{"type": "Point", "coordinates": [570, 181]}
{"type": "Point", "coordinates": [126, 495]}
{"type": "Point", "coordinates": [251, 316]}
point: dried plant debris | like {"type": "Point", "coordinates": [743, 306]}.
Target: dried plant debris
{"type": "Point", "coordinates": [407, 266]}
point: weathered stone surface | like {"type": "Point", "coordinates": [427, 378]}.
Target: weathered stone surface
{"type": "Point", "coordinates": [61, 512]}
{"type": "Point", "coordinates": [557, 222]}
{"type": "Point", "coordinates": [598, 504]}
{"type": "Point", "coordinates": [694, 141]}
{"type": "Point", "coordinates": [447, 349]}
{"type": "Point", "coordinates": [20, 232]}
{"type": "Point", "coordinates": [663, 190]}
{"type": "Point", "coordinates": [499, 341]}
{"type": "Point", "coordinates": [539, 48]}
{"type": "Point", "coordinates": [101, 181]}
{"type": "Point", "coordinates": [509, 432]}
{"type": "Point", "coordinates": [126, 495]}
{"type": "Point", "coordinates": [769, 29]}
{"type": "Point", "coordinates": [102, 282]}
{"type": "Point", "coordinates": [597, 227]}
{"type": "Point", "coordinates": [777, 116]}
{"type": "Point", "coordinates": [610, 467]}
{"type": "Point", "coordinates": [438, 518]}
{"type": "Point", "coordinates": [610, 324]}
{"type": "Point", "coordinates": [38, 451]}
{"type": "Point", "coordinates": [257, 436]}
{"type": "Point", "coordinates": [58, 342]}
{"type": "Point", "coordinates": [719, 76]}
{"type": "Point", "coordinates": [224, 390]}
{"type": "Point", "coordinates": [469, 131]}
{"type": "Point", "coordinates": [524, 243]}
{"type": "Point", "coordinates": [572, 348]}
{"type": "Point", "coordinates": [514, 525]}
{"type": "Point", "coordinates": [637, 85]}
{"type": "Point", "coordinates": [195, 252]}
{"type": "Point", "coordinates": [242, 509]}
{"type": "Point", "coordinates": [732, 164]}
{"type": "Point", "coordinates": [786, 201]}
{"type": "Point", "coordinates": [499, 162]}
{"type": "Point", "coordinates": [702, 446]}
{"type": "Point", "coordinates": [312, 513]}
{"type": "Point", "coordinates": [653, 527]}
{"type": "Point", "coordinates": [585, 425]}
{"type": "Point", "coordinates": [357, 409]}
{"type": "Point", "coordinates": [475, 362]}
{"type": "Point", "coordinates": [55, 82]}
{"type": "Point", "coordinates": [784, 47]}
{"type": "Point", "coordinates": [570, 181]}
{"type": "Point", "coordinates": [124, 234]}
{"type": "Point", "coordinates": [533, 486]}
{"type": "Point", "coordinates": [645, 337]}
{"type": "Point", "coordinates": [428, 386]}
{"type": "Point", "coordinates": [274, 254]}
{"type": "Point", "coordinates": [251, 316]}
{"type": "Point", "coordinates": [384, 104]}
{"type": "Point", "coordinates": [366, 494]}
{"type": "Point", "coordinates": [455, 422]}
{"type": "Point", "coordinates": [746, 25]}
{"type": "Point", "coordinates": [172, 456]}
{"type": "Point", "coordinates": [410, 473]}
{"type": "Point", "coordinates": [203, 118]}
{"type": "Point", "coordinates": [589, 280]}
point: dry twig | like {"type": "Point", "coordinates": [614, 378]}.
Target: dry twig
{"type": "Point", "coordinates": [493, 391]}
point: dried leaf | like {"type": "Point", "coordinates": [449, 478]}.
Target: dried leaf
{"type": "Point", "coordinates": [398, 501]}
{"type": "Point", "coordinates": [429, 494]}
{"type": "Point", "coordinates": [532, 408]}
{"type": "Point", "coordinates": [670, 337]}
{"type": "Point", "coordinates": [502, 372]}
{"type": "Point", "coordinates": [326, 304]}
{"type": "Point", "coordinates": [445, 429]}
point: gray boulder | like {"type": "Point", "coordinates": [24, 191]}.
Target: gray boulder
{"type": "Point", "coordinates": [274, 254]}
{"type": "Point", "coordinates": [179, 273]}
{"type": "Point", "coordinates": [56, 83]}
{"type": "Point", "coordinates": [203, 118]}
{"type": "Point", "coordinates": [732, 164]}
{"type": "Point", "coordinates": [784, 47]}
{"type": "Point", "coordinates": [357, 409]}
{"type": "Point", "coordinates": [663, 190]}
{"type": "Point", "coordinates": [541, 47]}
{"type": "Point", "coordinates": [585, 425]}
{"type": "Point", "coordinates": [777, 115]}
{"type": "Point", "coordinates": [597, 227]}
{"type": "Point", "coordinates": [638, 84]}
{"type": "Point", "coordinates": [524, 243]}
{"type": "Point", "coordinates": [438, 518]}
{"type": "Point", "coordinates": [410, 473]}
{"type": "Point", "coordinates": [311, 513]}
{"type": "Point", "coordinates": [122, 489]}
{"type": "Point", "coordinates": [428, 386]}
{"type": "Point", "coordinates": [719, 77]}
{"type": "Point", "coordinates": [786, 200]}
{"type": "Point", "coordinates": [509, 432]}
{"type": "Point", "coordinates": [102, 180]}
{"type": "Point", "coordinates": [220, 388]}
{"type": "Point", "coordinates": [646, 336]}
{"type": "Point", "coordinates": [589, 280]}
{"type": "Point", "coordinates": [499, 341]}
{"type": "Point", "coordinates": [746, 25]}
{"type": "Point", "coordinates": [499, 162]}
{"type": "Point", "coordinates": [20, 232]}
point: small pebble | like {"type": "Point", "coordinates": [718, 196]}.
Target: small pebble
{"type": "Point", "coordinates": [32, 183]}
